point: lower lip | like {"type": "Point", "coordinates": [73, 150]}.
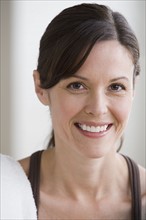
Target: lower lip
{"type": "Point", "coordinates": [93, 134]}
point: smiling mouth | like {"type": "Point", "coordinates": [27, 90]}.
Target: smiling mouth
{"type": "Point", "coordinates": [93, 129]}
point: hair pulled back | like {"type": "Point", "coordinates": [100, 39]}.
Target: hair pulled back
{"type": "Point", "coordinates": [69, 38]}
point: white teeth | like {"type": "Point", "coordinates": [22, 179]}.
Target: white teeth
{"type": "Point", "coordinates": [84, 127]}
{"type": "Point", "coordinates": [93, 128]}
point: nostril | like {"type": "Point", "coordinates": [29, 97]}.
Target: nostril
{"type": "Point", "coordinates": [96, 111]}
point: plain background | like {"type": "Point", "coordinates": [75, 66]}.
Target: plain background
{"type": "Point", "coordinates": [25, 122]}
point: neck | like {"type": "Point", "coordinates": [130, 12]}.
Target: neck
{"type": "Point", "coordinates": [82, 177]}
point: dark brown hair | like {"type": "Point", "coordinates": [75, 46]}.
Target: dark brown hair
{"type": "Point", "coordinates": [71, 35]}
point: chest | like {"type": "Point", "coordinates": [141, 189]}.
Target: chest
{"type": "Point", "coordinates": [77, 210]}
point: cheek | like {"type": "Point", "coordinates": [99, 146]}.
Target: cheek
{"type": "Point", "coordinates": [122, 110]}
{"type": "Point", "coordinates": [65, 108]}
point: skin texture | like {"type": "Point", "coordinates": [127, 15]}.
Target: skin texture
{"type": "Point", "coordinates": [83, 177]}
{"type": "Point", "coordinates": [95, 101]}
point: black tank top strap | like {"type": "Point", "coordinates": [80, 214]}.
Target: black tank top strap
{"type": "Point", "coordinates": [34, 175]}
{"type": "Point", "coordinates": [135, 188]}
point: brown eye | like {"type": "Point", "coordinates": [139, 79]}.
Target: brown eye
{"type": "Point", "coordinates": [117, 87]}
{"type": "Point", "coordinates": [75, 86]}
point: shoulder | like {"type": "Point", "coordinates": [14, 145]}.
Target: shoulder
{"type": "Point", "coordinates": [11, 169]}
{"type": "Point", "coordinates": [10, 166]}
{"type": "Point", "coordinates": [142, 175]}
{"type": "Point", "coordinates": [142, 172]}
{"type": "Point", "coordinates": [16, 194]}
{"type": "Point", "coordinates": [25, 162]}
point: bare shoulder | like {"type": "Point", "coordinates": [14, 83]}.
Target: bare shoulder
{"type": "Point", "coordinates": [25, 164]}
{"type": "Point", "coordinates": [142, 171]}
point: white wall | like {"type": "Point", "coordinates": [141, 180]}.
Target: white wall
{"type": "Point", "coordinates": [25, 123]}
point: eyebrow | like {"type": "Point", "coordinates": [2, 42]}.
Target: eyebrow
{"type": "Point", "coordinates": [118, 78]}
{"type": "Point", "coordinates": [80, 77]}
{"type": "Point", "coordinates": [112, 80]}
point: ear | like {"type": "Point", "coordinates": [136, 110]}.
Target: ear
{"type": "Point", "coordinates": [134, 84]}
{"type": "Point", "coordinates": [42, 94]}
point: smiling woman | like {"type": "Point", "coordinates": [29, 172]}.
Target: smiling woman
{"type": "Point", "coordinates": [87, 69]}
{"type": "Point", "coordinates": [92, 99]}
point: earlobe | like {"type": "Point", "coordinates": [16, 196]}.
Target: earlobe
{"type": "Point", "coordinates": [42, 94]}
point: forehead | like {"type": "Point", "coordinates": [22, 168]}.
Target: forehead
{"type": "Point", "coordinates": [109, 51]}
{"type": "Point", "coordinates": [108, 57]}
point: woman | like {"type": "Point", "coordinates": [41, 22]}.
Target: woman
{"type": "Point", "coordinates": [87, 68]}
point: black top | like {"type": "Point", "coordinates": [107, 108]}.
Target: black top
{"type": "Point", "coordinates": [34, 178]}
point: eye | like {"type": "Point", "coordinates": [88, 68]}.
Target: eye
{"type": "Point", "coordinates": [117, 87]}
{"type": "Point", "coordinates": [76, 86]}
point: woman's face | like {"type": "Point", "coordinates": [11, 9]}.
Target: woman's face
{"type": "Point", "coordinates": [90, 109]}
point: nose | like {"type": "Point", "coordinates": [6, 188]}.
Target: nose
{"type": "Point", "coordinates": [97, 104]}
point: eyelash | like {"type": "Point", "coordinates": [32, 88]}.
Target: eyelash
{"type": "Point", "coordinates": [70, 86]}
{"type": "Point", "coordinates": [117, 85]}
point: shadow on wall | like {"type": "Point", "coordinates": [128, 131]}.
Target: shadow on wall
{"type": "Point", "coordinates": [5, 78]}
